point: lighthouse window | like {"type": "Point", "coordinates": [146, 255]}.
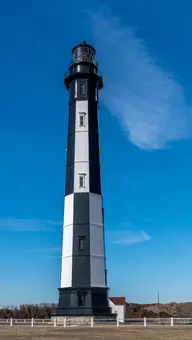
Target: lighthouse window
{"type": "Point", "coordinates": [96, 94]}
{"type": "Point", "coordinates": [81, 180]}
{"type": "Point", "coordinates": [82, 119]}
{"type": "Point", "coordinates": [81, 298]}
{"type": "Point", "coordinates": [81, 243]}
{"type": "Point", "coordinates": [82, 88]}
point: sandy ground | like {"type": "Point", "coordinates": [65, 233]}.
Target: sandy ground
{"type": "Point", "coordinates": [95, 334]}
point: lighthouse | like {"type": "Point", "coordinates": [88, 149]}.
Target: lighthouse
{"type": "Point", "coordinates": [83, 290]}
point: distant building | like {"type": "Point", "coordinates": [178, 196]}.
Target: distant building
{"type": "Point", "coordinates": [118, 306]}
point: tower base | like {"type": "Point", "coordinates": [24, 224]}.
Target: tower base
{"type": "Point", "coordinates": [83, 302]}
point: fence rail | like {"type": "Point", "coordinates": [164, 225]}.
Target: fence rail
{"type": "Point", "coordinates": [96, 322]}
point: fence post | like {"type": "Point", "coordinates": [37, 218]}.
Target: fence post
{"type": "Point", "coordinates": [171, 322]}
{"type": "Point", "coordinates": [117, 321]}
{"type": "Point", "coordinates": [55, 322]}
{"type": "Point", "coordinates": [65, 322]}
{"type": "Point", "coordinates": [92, 322]}
{"type": "Point", "coordinates": [32, 322]}
{"type": "Point", "coordinates": [145, 322]}
{"type": "Point", "coordinates": [11, 322]}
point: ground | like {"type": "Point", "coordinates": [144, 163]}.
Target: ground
{"type": "Point", "coordinates": [95, 334]}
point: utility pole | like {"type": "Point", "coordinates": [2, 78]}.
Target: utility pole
{"type": "Point", "coordinates": [158, 304]}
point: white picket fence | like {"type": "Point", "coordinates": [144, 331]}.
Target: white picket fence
{"type": "Point", "coordinates": [96, 322]}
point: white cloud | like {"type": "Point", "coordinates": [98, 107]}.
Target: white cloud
{"type": "Point", "coordinates": [185, 244]}
{"type": "Point", "coordinates": [129, 237]}
{"type": "Point", "coordinates": [147, 100]}
{"type": "Point", "coordinates": [20, 224]}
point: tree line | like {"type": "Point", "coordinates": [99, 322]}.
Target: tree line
{"type": "Point", "coordinates": [45, 310]}
{"type": "Point", "coordinates": [27, 311]}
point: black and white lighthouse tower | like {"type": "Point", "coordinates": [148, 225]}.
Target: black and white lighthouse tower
{"type": "Point", "coordinates": [83, 276]}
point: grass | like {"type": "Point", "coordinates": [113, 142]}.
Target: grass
{"type": "Point", "coordinates": [95, 334]}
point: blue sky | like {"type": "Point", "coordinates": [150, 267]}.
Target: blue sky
{"type": "Point", "coordinates": [144, 50]}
